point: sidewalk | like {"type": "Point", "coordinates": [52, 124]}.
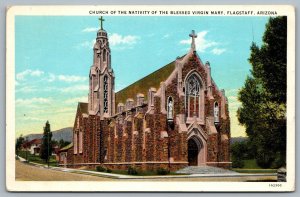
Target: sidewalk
{"type": "Point", "coordinates": [120, 176]}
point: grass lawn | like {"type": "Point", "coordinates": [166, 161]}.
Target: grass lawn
{"type": "Point", "coordinates": [241, 170]}
{"type": "Point", "coordinates": [250, 166]}
{"type": "Point", "coordinates": [37, 159]}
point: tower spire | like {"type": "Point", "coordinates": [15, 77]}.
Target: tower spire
{"type": "Point", "coordinates": [101, 19]}
{"type": "Point", "coordinates": [193, 35]}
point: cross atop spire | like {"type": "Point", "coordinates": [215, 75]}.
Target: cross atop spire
{"type": "Point", "coordinates": [101, 19]}
{"type": "Point", "coordinates": [193, 35]}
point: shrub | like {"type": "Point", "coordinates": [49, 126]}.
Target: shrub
{"type": "Point", "coordinates": [108, 170]}
{"type": "Point", "coordinates": [162, 171]}
{"type": "Point", "coordinates": [264, 160]}
{"type": "Point", "coordinates": [101, 169]}
{"type": "Point", "coordinates": [279, 161]}
{"type": "Point", "coordinates": [132, 170]}
{"type": "Point", "coordinates": [237, 163]}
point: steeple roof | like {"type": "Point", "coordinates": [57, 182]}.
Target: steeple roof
{"type": "Point", "coordinates": [101, 32]}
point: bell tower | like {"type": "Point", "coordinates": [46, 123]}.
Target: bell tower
{"type": "Point", "coordinates": [101, 77]}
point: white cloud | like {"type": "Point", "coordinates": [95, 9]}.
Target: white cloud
{"type": "Point", "coordinates": [117, 39]}
{"type": "Point", "coordinates": [202, 43]}
{"type": "Point", "coordinates": [233, 104]}
{"type": "Point", "coordinates": [232, 98]}
{"type": "Point", "coordinates": [231, 91]}
{"type": "Point", "coordinates": [28, 118]}
{"type": "Point", "coordinates": [33, 73]}
{"type": "Point", "coordinates": [37, 73]}
{"type": "Point", "coordinates": [71, 78]}
{"type": "Point", "coordinates": [90, 29]}
{"type": "Point", "coordinates": [26, 89]}
{"type": "Point", "coordinates": [66, 110]}
{"type": "Point", "coordinates": [122, 42]}
{"type": "Point", "coordinates": [51, 77]}
{"type": "Point", "coordinates": [218, 51]}
{"type": "Point", "coordinates": [76, 100]}
{"type": "Point", "coordinates": [35, 100]}
{"type": "Point", "coordinates": [75, 88]}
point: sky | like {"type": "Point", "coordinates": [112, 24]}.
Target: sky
{"type": "Point", "coordinates": [53, 55]}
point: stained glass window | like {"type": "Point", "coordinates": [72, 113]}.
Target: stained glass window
{"type": "Point", "coordinates": [192, 94]}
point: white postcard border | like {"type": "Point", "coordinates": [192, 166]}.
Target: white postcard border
{"type": "Point", "coordinates": [13, 185]}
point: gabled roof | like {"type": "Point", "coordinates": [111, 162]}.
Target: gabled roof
{"type": "Point", "coordinates": [29, 143]}
{"type": "Point", "coordinates": [66, 147]}
{"type": "Point", "coordinates": [36, 141]}
{"type": "Point", "coordinates": [144, 84]}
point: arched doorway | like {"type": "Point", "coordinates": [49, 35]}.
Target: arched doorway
{"type": "Point", "coordinates": [193, 152]}
{"type": "Point", "coordinates": [196, 149]}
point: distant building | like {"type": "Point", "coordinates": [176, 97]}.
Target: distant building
{"type": "Point", "coordinates": [172, 118]}
{"type": "Point", "coordinates": [33, 146]}
{"type": "Point", "coordinates": [63, 154]}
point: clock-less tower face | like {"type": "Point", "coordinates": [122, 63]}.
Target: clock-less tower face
{"type": "Point", "coordinates": [101, 78]}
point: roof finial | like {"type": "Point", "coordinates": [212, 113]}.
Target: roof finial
{"type": "Point", "coordinates": [193, 35]}
{"type": "Point", "coordinates": [101, 22]}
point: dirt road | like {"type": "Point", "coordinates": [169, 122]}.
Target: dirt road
{"type": "Point", "coordinates": [25, 172]}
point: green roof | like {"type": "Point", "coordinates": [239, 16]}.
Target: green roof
{"type": "Point", "coordinates": [144, 84]}
{"type": "Point", "coordinates": [67, 147]}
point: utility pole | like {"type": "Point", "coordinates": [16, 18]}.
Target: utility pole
{"type": "Point", "coordinates": [26, 149]}
{"type": "Point", "coordinates": [48, 148]}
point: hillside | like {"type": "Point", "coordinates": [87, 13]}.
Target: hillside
{"type": "Point", "coordinates": [66, 134]}
{"type": "Point", "coordinates": [237, 139]}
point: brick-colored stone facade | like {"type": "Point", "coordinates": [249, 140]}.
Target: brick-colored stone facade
{"type": "Point", "coordinates": [156, 133]}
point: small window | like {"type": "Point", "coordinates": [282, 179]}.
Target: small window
{"type": "Point", "coordinates": [104, 55]}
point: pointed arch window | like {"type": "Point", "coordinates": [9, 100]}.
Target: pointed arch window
{"type": "Point", "coordinates": [192, 96]}
{"type": "Point", "coordinates": [216, 112]}
{"type": "Point", "coordinates": [75, 142]}
{"type": "Point", "coordinates": [80, 141]}
{"type": "Point", "coordinates": [91, 93]}
{"type": "Point", "coordinates": [105, 94]}
{"type": "Point", "coordinates": [170, 107]}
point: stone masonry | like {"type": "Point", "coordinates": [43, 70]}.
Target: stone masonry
{"type": "Point", "coordinates": [181, 120]}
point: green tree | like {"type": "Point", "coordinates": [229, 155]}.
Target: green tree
{"type": "Point", "coordinates": [46, 146]}
{"type": "Point", "coordinates": [19, 142]}
{"type": "Point", "coordinates": [63, 143]}
{"type": "Point", "coordinates": [263, 97]}
{"type": "Point", "coordinates": [241, 151]}
{"type": "Point", "coordinates": [238, 150]}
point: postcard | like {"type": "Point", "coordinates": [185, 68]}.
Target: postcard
{"type": "Point", "coordinates": [150, 98]}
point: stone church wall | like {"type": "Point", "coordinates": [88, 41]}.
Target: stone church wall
{"type": "Point", "coordinates": [143, 137]}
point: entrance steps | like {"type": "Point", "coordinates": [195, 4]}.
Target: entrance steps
{"type": "Point", "coordinates": [203, 169]}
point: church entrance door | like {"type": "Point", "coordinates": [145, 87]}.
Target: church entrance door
{"type": "Point", "coordinates": [193, 151]}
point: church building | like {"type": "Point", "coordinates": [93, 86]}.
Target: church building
{"type": "Point", "coordinates": [172, 118]}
